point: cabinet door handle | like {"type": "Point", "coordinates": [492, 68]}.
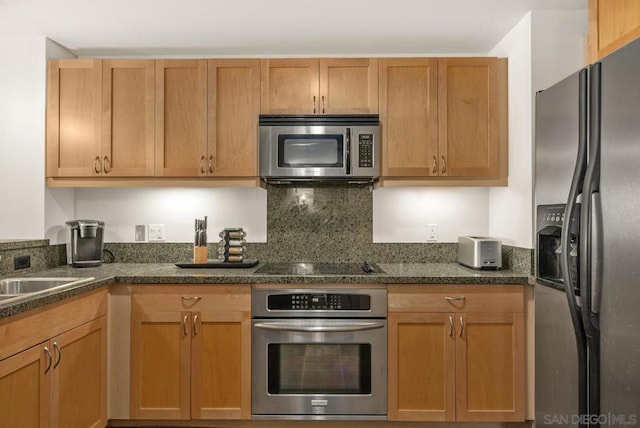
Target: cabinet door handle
{"type": "Point", "coordinates": [451, 299]}
{"type": "Point", "coordinates": [50, 360]}
{"type": "Point", "coordinates": [97, 166]}
{"type": "Point", "coordinates": [184, 325]}
{"type": "Point", "coordinates": [435, 165]}
{"type": "Point", "coordinates": [461, 325]}
{"type": "Point", "coordinates": [450, 325]}
{"type": "Point", "coordinates": [314, 104]}
{"type": "Point", "coordinates": [211, 164]}
{"type": "Point", "coordinates": [196, 298]}
{"type": "Point", "coordinates": [106, 165]}
{"type": "Point", "coordinates": [202, 165]}
{"type": "Point", "coordinates": [322, 104]}
{"type": "Point", "coordinates": [444, 164]}
{"type": "Point", "coordinates": [195, 325]}
{"type": "Point", "coordinates": [56, 349]}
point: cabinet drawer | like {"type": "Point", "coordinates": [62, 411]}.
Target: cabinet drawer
{"type": "Point", "coordinates": [30, 328]}
{"type": "Point", "coordinates": [219, 297]}
{"type": "Point", "coordinates": [455, 298]}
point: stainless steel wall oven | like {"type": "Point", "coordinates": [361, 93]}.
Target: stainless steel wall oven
{"type": "Point", "coordinates": [319, 354]}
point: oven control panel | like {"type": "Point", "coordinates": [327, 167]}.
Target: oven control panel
{"type": "Point", "coordinates": [319, 302]}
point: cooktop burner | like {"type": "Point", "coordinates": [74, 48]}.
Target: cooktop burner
{"type": "Point", "coordinates": [319, 269]}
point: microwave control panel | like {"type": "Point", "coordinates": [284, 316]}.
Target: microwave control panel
{"type": "Point", "coordinates": [365, 150]}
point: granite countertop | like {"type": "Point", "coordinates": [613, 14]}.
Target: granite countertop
{"type": "Point", "coordinates": [168, 273]}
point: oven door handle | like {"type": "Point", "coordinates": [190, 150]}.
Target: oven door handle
{"type": "Point", "coordinates": [332, 328]}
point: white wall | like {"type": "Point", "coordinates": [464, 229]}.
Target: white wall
{"type": "Point", "coordinates": [58, 202]}
{"type": "Point", "coordinates": [402, 214]}
{"type": "Point", "coordinates": [543, 48]}
{"type": "Point", "coordinates": [510, 207]}
{"type": "Point", "coordinates": [123, 208]}
{"type": "Point", "coordinates": [22, 116]}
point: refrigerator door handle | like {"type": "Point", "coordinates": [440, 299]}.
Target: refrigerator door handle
{"type": "Point", "coordinates": [571, 208]}
{"type": "Point", "coordinates": [596, 252]}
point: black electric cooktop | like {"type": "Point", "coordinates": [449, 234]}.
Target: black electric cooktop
{"type": "Point", "coordinates": [319, 269]}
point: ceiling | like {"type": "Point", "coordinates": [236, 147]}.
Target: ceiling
{"type": "Point", "coordinates": [270, 27]}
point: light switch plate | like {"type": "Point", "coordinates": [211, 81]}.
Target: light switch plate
{"type": "Point", "coordinates": [156, 232]}
{"type": "Point", "coordinates": [141, 233]}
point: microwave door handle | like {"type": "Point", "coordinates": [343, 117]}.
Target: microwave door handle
{"type": "Point", "coordinates": [348, 151]}
{"type": "Point", "coordinates": [335, 328]}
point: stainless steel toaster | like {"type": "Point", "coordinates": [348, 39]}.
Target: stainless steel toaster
{"type": "Point", "coordinates": [479, 252]}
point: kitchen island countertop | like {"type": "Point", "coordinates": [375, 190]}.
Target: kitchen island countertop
{"type": "Point", "coordinates": [168, 273]}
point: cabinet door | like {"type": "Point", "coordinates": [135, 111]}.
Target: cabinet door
{"type": "Point", "coordinates": [234, 106]}
{"type": "Point", "coordinates": [221, 365]}
{"type": "Point", "coordinates": [128, 117]}
{"type": "Point", "coordinates": [78, 377]}
{"type": "Point", "coordinates": [421, 365]}
{"type": "Point", "coordinates": [24, 389]}
{"type": "Point", "coordinates": [289, 86]}
{"type": "Point", "coordinates": [469, 138]}
{"type": "Point", "coordinates": [181, 118]}
{"type": "Point", "coordinates": [348, 85]}
{"type": "Point", "coordinates": [490, 367]}
{"type": "Point", "coordinates": [74, 90]}
{"type": "Point", "coordinates": [160, 360]}
{"type": "Point", "coordinates": [408, 112]}
{"type": "Point", "coordinates": [612, 24]}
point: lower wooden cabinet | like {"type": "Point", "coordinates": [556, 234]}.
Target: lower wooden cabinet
{"type": "Point", "coordinates": [191, 352]}
{"type": "Point", "coordinates": [60, 383]}
{"type": "Point", "coordinates": [456, 353]}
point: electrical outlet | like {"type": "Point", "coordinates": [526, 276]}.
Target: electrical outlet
{"type": "Point", "coordinates": [156, 232]}
{"type": "Point", "coordinates": [141, 233]}
{"type": "Point", "coordinates": [432, 232]}
{"type": "Point", "coordinates": [21, 262]}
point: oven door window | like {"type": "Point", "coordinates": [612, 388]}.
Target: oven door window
{"type": "Point", "coordinates": [319, 368]}
{"type": "Point", "coordinates": [311, 151]}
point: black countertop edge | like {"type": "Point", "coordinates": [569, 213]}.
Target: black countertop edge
{"type": "Point", "coordinates": [165, 273]}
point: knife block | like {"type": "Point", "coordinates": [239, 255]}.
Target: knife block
{"type": "Point", "coordinates": [200, 254]}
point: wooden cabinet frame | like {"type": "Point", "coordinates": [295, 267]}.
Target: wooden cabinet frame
{"type": "Point", "coordinates": [202, 333]}
{"type": "Point", "coordinates": [474, 339]}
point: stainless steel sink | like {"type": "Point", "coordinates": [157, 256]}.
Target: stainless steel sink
{"type": "Point", "coordinates": [19, 288]}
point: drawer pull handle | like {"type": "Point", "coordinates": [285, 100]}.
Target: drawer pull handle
{"type": "Point", "coordinates": [461, 325]}
{"type": "Point", "coordinates": [451, 299]}
{"type": "Point", "coordinates": [184, 325]}
{"type": "Point", "coordinates": [196, 298]}
{"type": "Point", "coordinates": [56, 348]}
{"type": "Point", "coordinates": [50, 360]}
{"type": "Point", "coordinates": [450, 325]}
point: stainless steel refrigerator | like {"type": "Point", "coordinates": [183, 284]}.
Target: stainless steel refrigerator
{"type": "Point", "coordinates": [587, 293]}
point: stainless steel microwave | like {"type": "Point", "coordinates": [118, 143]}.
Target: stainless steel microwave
{"type": "Point", "coordinates": [318, 148]}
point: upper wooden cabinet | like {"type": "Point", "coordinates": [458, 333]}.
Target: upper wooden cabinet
{"type": "Point", "coordinates": [319, 86]}
{"type": "Point", "coordinates": [74, 113]}
{"type": "Point", "coordinates": [181, 118]}
{"type": "Point", "coordinates": [456, 353]}
{"type": "Point", "coordinates": [100, 118]}
{"type": "Point", "coordinates": [409, 115]}
{"type": "Point", "coordinates": [234, 106]}
{"type": "Point", "coordinates": [612, 24]}
{"type": "Point", "coordinates": [469, 103]}
{"type": "Point", "coordinates": [444, 119]}
{"type": "Point", "coordinates": [128, 94]}
{"type": "Point", "coordinates": [152, 118]}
